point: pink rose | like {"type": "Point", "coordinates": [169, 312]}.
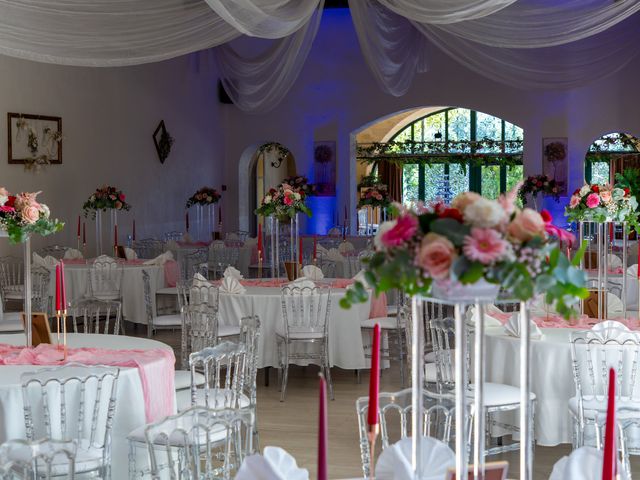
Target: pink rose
{"type": "Point", "coordinates": [593, 200]}
{"type": "Point", "coordinates": [575, 201]}
{"type": "Point", "coordinates": [605, 196]}
{"type": "Point", "coordinates": [288, 200]}
{"type": "Point", "coordinates": [30, 214]}
{"type": "Point", "coordinates": [121, 197]}
{"type": "Point", "coordinates": [118, 204]}
{"type": "Point", "coordinates": [435, 256]}
{"type": "Point", "coordinates": [526, 225]}
{"type": "Point", "coordinates": [405, 228]}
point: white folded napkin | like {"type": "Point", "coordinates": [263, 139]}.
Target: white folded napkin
{"type": "Point", "coordinates": [302, 282]}
{"type": "Point", "coordinates": [130, 253]}
{"type": "Point", "coordinates": [633, 270]}
{"type": "Point", "coordinates": [345, 247]}
{"type": "Point", "coordinates": [614, 261]}
{"type": "Point", "coordinates": [160, 259]}
{"type": "Point", "coordinates": [73, 254]}
{"type": "Point", "coordinates": [232, 271]}
{"type": "Point", "coordinates": [335, 255]}
{"type": "Point", "coordinates": [615, 307]}
{"type": "Point", "coordinates": [200, 281]}
{"type": "Point", "coordinates": [584, 463]}
{"type": "Point", "coordinates": [274, 464]}
{"type": "Point", "coordinates": [104, 258]}
{"type": "Point", "coordinates": [539, 308]}
{"type": "Point", "coordinates": [394, 462]}
{"type": "Point", "coordinates": [231, 284]}
{"type": "Point", "coordinates": [360, 277]}
{"type": "Point", "coordinates": [321, 249]}
{"type": "Point", "coordinates": [512, 327]}
{"type": "Point", "coordinates": [313, 272]}
{"type": "Point", "coordinates": [46, 262]}
{"type": "Point", "coordinates": [489, 321]}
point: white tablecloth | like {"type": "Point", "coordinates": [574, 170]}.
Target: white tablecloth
{"type": "Point", "coordinates": [129, 413]}
{"type": "Point", "coordinates": [345, 339]}
{"type": "Point", "coordinates": [551, 377]}
{"type": "Point", "coordinates": [133, 307]}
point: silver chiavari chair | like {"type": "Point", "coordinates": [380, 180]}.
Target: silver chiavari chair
{"type": "Point", "coordinates": [11, 279]}
{"type": "Point", "coordinates": [40, 299]}
{"type": "Point", "coordinates": [249, 338]}
{"type": "Point", "coordinates": [221, 258]}
{"type": "Point", "coordinates": [173, 235]}
{"type": "Point", "coordinates": [155, 322]}
{"type": "Point", "coordinates": [105, 279]}
{"type": "Point", "coordinates": [593, 352]}
{"type": "Point", "coordinates": [41, 459]}
{"type": "Point", "coordinates": [305, 324]}
{"type": "Point", "coordinates": [148, 248]}
{"type": "Point", "coordinates": [86, 315]}
{"type": "Point", "coordinates": [193, 261]}
{"type": "Point", "coordinates": [73, 402]}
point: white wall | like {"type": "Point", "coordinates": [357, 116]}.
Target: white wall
{"type": "Point", "coordinates": [108, 118]}
{"type": "Point", "coordinates": [336, 95]}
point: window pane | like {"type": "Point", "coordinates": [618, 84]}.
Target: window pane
{"type": "Point", "coordinates": [491, 181]}
{"type": "Point", "coordinates": [404, 135]}
{"type": "Point", "coordinates": [409, 184]}
{"type": "Point", "coordinates": [600, 172]}
{"type": "Point", "coordinates": [432, 125]}
{"type": "Point", "coordinates": [512, 132]}
{"type": "Point", "coordinates": [488, 126]}
{"type": "Point", "coordinates": [417, 131]}
{"type": "Point", "coordinates": [515, 174]}
{"type": "Point", "coordinates": [434, 186]}
{"type": "Point", "coordinates": [459, 126]}
{"type": "Point", "coordinates": [459, 179]}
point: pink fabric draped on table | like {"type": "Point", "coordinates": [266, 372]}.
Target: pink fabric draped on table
{"type": "Point", "coordinates": [556, 321]}
{"type": "Point", "coordinates": [155, 366]}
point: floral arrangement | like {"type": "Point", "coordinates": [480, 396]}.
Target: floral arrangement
{"type": "Point", "coordinates": [204, 196]}
{"type": "Point", "coordinates": [375, 195]}
{"type": "Point", "coordinates": [105, 198]}
{"type": "Point", "coordinates": [474, 240]}
{"type": "Point", "coordinates": [300, 182]}
{"type": "Point", "coordinates": [22, 215]}
{"type": "Point", "coordinates": [602, 203]}
{"type": "Point", "coordinates": [555, 151]}
{"type": "Point", "coordinates": [284, 202]}
{"type": "Point", "coordinates": [539, 184]}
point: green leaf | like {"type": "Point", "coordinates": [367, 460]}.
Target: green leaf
{"type": "Point", "coordinates": [473, 273]}
{"type": "Point", "coordinates": [451, 229]}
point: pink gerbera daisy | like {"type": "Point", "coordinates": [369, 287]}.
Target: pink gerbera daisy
{"type": "Point", "coordinates": [484, 245]}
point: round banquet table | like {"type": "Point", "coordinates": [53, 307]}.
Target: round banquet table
{"type": "Point", "coordinates": [551, 377]}
{"type": "Point", "coordinates": [345, 338]}
{"type": "Point", "coordinates": [133, 307]}
{"type": "Point", "coordinates": [130, 410]}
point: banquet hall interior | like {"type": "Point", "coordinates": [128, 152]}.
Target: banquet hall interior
{"type": "Point", "coordinates": [332, 239]}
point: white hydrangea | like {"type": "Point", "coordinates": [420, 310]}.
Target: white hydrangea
{"type": "Point", "coordinates": [3, 199]}
{"type": "Point", "coordinates": [267, 199]}
{"type": "Point", "coordinates": [584, 190]}
{"type": "Point", "coordinates": [484, 213]}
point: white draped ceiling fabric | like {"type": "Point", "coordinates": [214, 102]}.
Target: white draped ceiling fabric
{"type": "Point", "coordinates": [545, 44]}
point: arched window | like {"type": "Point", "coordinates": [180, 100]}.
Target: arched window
{"type": "Point", "coordinates": [609, 154]}
{"type": "Point", "coordinates": [456, 150]}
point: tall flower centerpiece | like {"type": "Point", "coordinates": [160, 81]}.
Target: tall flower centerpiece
{"type": "Point", "coordinates": [301, 183]}
{"type": "Point", "coordinates": [103, 199]}
{"type": "Point", "coordinates": [535, 185]}
{"type": "Point", "coordinates": [375, 201]}
{"type": "Point", "coordinates": [22, 215]}
{"type": "Point", "coordinates": [474, 242]}
{"type": "Point", "coordinates": [602, 203]}
{"type": "Point", "coordinates": [204, 200]}
{"type": "Point", "coordinates": [281, 205]}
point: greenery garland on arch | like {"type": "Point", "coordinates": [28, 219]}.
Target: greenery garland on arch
{"type": "Point", "coordinates": [471, 152]}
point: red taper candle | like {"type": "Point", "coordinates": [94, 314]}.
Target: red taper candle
{"type": "Point", "coordinates": [186, 221]}
{"type": "Point", "coordinates": [315, 247]}
{"type": "Point", "coordinates": [260, 240]}
{"type": "Point", "coordinates": [611, 232]}
{"type": "Point", "coordinates": [345, 215]}
{"type": "Point", "coordinates": [133, 232]}
{"type": "Point", "coordinates": [610, 464]}
{"type": "Point", "coordinates": [63, 287]}
{"type": "Point", "coordinates": [357, 223]}
{"type": "Point", "coordinates": [58, 291]}
{"type": "Point", "coordinates": [115, 235]}
{"type": "Point", "coordinates": [374, 379]}
{"type": "Point", "coordinates": [78, 226]}
{"type": "Point", "coordinates": [84, 233]}
{"type": "Point", "coordinates": [300, 251]}
{"type": "Point", "coordinates": [323, 428]}
{"type": "Point", "coordinates": [220, 215]}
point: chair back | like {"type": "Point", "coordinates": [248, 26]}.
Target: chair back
{"type": "Point", "coordinates": [191, 262]}
{"type": "Point", "coordinates": [200, 443]}
{"type": "Point", "coordinates": [73, 402]}
{"type": "Point", "coordinates": [306, 309]}
{"type": "Point", "coordinates": [221, 258]}
{"type": "Point", "coordinates": [11, 274]}
{"type": "Point", "coordinates": [223, 367]}
{"type": "Point", "coordinates": [199, 293]}
{"type": "Point", "coordinates": [148, 248]}
{"type": "Point", "coordinates": [105, 278]}
{"type": "Point", "coordinates": [395, 413]}
{"type": "Point", "coordinates": [42, 459]}
{"type": "Point", "coordinates": [40, 289]}
{"type": "Point", "coordinates": [593, 352]}
{"type": "Point", "coordinates": [55, 251]}
{"type": "Point", "coordinates": [201, 326]}
{"type": "Point", "coordinates": [88, 313]}
{"type": "Point", "coordinates": [249, 337]}
{"type": "Point", "coordinates": [173, 235]}
{"type": "Point", "coordinates": [443, 342]}
{"type": "Point", "coordinates": [327, 266]}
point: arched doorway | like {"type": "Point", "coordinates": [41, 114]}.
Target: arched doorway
{"type": "Point", "coordinates": [261, 167]}
{"type": "Point", "coordinates": [611, 154]}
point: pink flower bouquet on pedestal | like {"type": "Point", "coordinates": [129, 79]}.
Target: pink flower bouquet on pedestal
{"type": "Point", "coordinates": [475, 241]}
{"type": "Point", "coordinates": [22, 215]}
{"type": "Point", "coordinates": [602, 203]}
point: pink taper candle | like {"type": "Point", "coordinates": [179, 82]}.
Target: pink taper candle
{"type": "Point", "coordinates": [374, 379]}
{"type": "Point", "coordinates": [115, 235]}
{"type": "Point", "coordinates": [84, 233]}
{"type": "Point", "coordinates": [63, 288]}
{"type": "Point", "coordinates": [315, 247]}
{"type": "Point", "coordinates": [610, 464]}
{"type": "Point", "coordinates": [300, 251]}
{"type": "Point", "coordinates": [323, 429]}
{"type": "Point", "coordinates": [259, 241]}
{"type": "Point", "coordinates": [78, 226]}
{"type": "Point", "coordinates": [58, 292]}
{"type": "Point", "coordinates": [186, 221]}
{"type": "Point", "coordinates": [133, 233]}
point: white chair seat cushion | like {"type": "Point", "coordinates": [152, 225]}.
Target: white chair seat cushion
{"type": "Point", "coordinates": [497, 394]}
{"type": "Point", "coordinates": [300, 335]}
{"type": "Point", "coordinates": [87, 459]}
{"type": "Point", "coordinates": [167, 291]}
{"type": "Point", "coordinates": [220, 400]}
{"type": "Point", "coordinates": [11, 322]}
{"type": "Point", "coordinates": [392, 310]}
{"type": "Point", "coordinates": [600, 405]}
{"type": "Point", "coordinates": [14, 292]}
{"type": "Point", "coordinates": [431, 357]}
{"type": "Point", "coordinates": [106, 295]}
{"type": "Point", "coordinates": [430, 373]}
{"type": "Point", "coordinates": [217, 434]}
{"type": "Point", "coordinates": [384, 322]}
{"type": "Point", "coordinates": [182, 379]}
{"type": "Point", "coordinates": [173, 320]}
{"type": "Point", "coordinates": [228, 330]}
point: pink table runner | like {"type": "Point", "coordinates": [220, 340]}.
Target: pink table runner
{"type": "Point", "coordinates": [556, 321]}
{"type": "Point", "coordinates": [155, 366]}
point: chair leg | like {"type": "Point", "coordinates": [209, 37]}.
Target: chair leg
{"type": "Point", "coordinates": [327, 373]}
{"type": "Point", "coordinates": [285, 373]}
{"type": "Point", "coordinates": [401, 359]}
{"type": "Point", "coordinates": [358, 379]}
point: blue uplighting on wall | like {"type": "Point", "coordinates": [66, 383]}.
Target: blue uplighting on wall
{"type": "Point", "coordinates": [324, 210]}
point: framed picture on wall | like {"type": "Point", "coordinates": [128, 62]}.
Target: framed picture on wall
{"type": "Point", "coordinates": [324, 164]}
{"type": "Point", "coordinates": [34, 139]}
{"type": "Point", "coordinates": [555, 161]}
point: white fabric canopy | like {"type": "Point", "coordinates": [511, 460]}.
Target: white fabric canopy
{"type": "Point", "coordinates": [258, 84]}
{"type": "Point", "coordinates": [444, 11]}
{"type": "Point", "coordinates": [265, 18]}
